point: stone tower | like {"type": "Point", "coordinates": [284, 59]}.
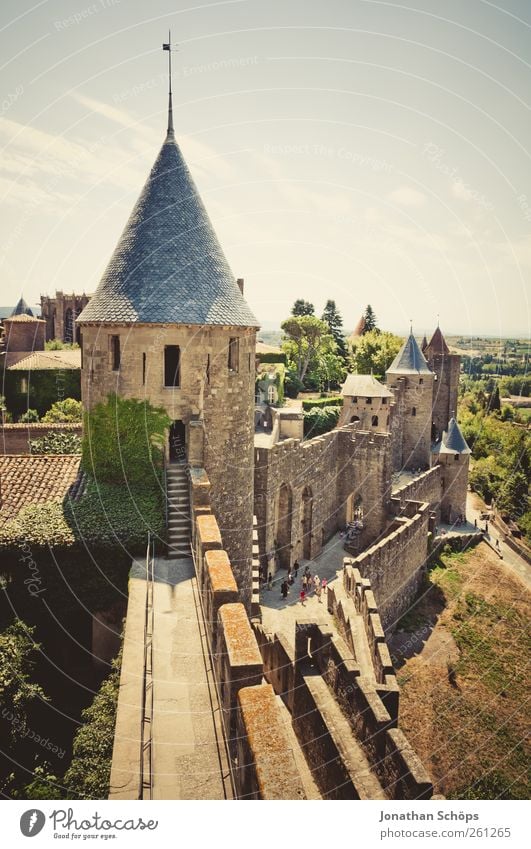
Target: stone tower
{"type": "Point", "coordinates": [446, 367]}
{"type": "Point", "coordinates": [453, 454]}
{"type": "Point", "coordinates": [169, 323]}
{"type": "Point", "coordinates": [411, 380]}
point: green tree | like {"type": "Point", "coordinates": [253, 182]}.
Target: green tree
{"type": "Point", "coordinates": [68, 410]}
{"type": "Point", "coordinates": [485, 477]}
{"type": "Point", "coordinates": [370, 320]}
{"type": "Point", "coordinates": [513, 497]}
{"type": "Point", "coordinates": [493, 404]}
{"type": "Point", "coordinates": [302, 307]}
{"type": "Point", "coordinates": [332, 317]}
{"type": "Point", "coordinates": [306, 338]}
{"type": "Point", "coordinates": [374, 352]}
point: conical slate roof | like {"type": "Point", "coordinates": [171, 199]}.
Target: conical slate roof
{"type": "Point", "coordinates": [410, 359]}
{"type": "Point", "coordinates": [22, 308]}
{"type": "Point", "coordinates": [168, 266]}
{"type": "Point", "coordinates": [453, 441]}
{"type": "Point", "coordinates": [437, 344]}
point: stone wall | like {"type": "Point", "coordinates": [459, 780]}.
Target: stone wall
{"type": "Point", "coordinates": [262, 761]}
{"type": "Point", "coordinates": [15, 438]}
{"type": "Point", "coordinates": [304, 491]}
{"type": "Point", "coordinates": [215, 404]}
{"type": "Point", "coordinates": [425, 488]}
{"type": "Point", "coordinates": [396, 565]}
{"type": "Point", "coordinates": [266, 765]}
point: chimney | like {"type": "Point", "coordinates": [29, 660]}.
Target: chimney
{"type": "Point", "coordinates": [239, 281]}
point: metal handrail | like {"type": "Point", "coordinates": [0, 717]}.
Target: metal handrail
{"type": "Point", "coordinates": [147, 712]}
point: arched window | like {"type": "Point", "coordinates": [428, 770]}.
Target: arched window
{"type": "Point", "coordinates": [413, 411]}
{"type": "Point", "coordinates": [271, 394]}
{"type": "Point", "coordinates": [354, 419]}
{"type": "Point", "coordinates": [374, 421]}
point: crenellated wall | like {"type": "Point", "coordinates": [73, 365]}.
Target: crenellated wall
{"type": "Point", "coordinates": [426, 487]}
{"type": "Point", "coordinates": [396, 565]}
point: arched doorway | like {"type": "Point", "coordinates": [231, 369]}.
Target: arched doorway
{"type": "Point", "coordinates": [355, 523]}
{"type": "Point", "coordinates": [306, 522]}
{"type": "Point", "coordinates": [283, 526]}
{"type": "Point", "coordinates": [177, 442]}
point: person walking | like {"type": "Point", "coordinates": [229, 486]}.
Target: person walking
{"type": "Point", "coordinates": [295, 568]}
{"type": "Point", "coordinates": [302, 597]}
{"type": "Point", "coordinates": [324, 584]}
{"type": "Point", "coordinates": [290, 577]}
{"type": "Point", "coordinates": [304, 583]}
{"type": "Point", "coordinates": [284, 589]}
{"type": "Point", "coordinates": [317, 582]}
{"type": "Point", "coordinates": [270, 581]}
{"type": "Point", "coordinates": [318, 592]}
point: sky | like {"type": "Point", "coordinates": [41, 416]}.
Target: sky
{"type": "Point", "coordinates": [367, 151]}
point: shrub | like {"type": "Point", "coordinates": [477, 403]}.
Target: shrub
{"type": "Point", "coordinates": [320, 420]}
{"type": "Point", "coordinates": [123, 440]}
{"type": "Point", "coordinates": [56, 443]}
{"type": "Point", "coordinates": [311, 403]}
{"type": "Point", "coordinates": [68, 410]}
{"type": "Point", "coordinates": [29, 416]}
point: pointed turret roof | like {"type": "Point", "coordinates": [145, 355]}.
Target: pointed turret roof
{"type": "Point", "coordinates": [168, 266]}
{"type": "Point", "coordinates": [424, 344]}
{"type": "Point", "coordinates": [410, 359]}
{"type": "Point", "coordinates": [437, 344]}
{"type": "Point", "coordinates": [22, 308]}
{"type": "Point", "coordinates": [453, 441]}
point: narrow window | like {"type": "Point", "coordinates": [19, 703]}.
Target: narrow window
{"type": "Point", "coordinates": [456, 457]}
{"type": "Point", "coordinates": [207, 370]}
{"type": "Point", "coordinates": [384, 401]}
{"type": "Point", "coordinates": [172, 365]}
{"type": "Point", "coordinates": [115, 352]}
{"type": "Point", "coordinates": [81, 347]}
{"type": "Point", "coordinates": [421, 381]}
{"type": "Point", "coordinates": [368, 400]}
{"type": "Point", "coordinates": [413, 411]}
{"type": "Point", "coordinates": [354, 399]}
{"type": "Point", "coordinates": [374, 421]}
{"type": "Point", "coordinates": [234, 353]}
{"type": "Point", "coordinates": [143, 369]}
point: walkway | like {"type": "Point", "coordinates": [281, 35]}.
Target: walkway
{"type": "Point", "coordinates": [189, 758]}
{"type": "Point", "coordinates": [474, 506]}
{"type": "Point", "coordinates": [279, 614]}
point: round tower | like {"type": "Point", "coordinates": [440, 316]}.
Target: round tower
{"type": "Point", "coordinates": [169, 323]}
{"type": "Point", "coordinates": [453, 454]}
{"type": "Point", "coordinates": [412, 382]}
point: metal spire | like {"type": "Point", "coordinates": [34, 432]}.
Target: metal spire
{"type": "Point", "coordinates": [170, 104]}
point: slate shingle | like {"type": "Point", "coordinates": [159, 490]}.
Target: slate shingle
{"type": "Point", "coordinates": [168, 266]}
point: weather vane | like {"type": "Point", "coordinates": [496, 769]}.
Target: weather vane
{"type": "Point", "coordinates": [168, 47]}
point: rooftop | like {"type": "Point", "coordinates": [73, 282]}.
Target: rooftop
{"type": "Point", "coordinates": [27, 479]}
{"type": "Point", "coordinates": [366, 386]}
{"type": "Point", "coordinates": [437, 344]}
{"type": "Point", "coordinates": [410, 359]}
{"type": "Point", "coordinates": [168, 266]}
{"type": "Point", "coordinates": [24, 318]}
{"type": "Point", "coordinates": [40, 360]}
{"type": "Point", "coordinates": [22, 308]}
{"type": "Point", "coordinates": [453, 441]}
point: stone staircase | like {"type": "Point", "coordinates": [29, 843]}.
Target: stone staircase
{"type": "Point", "coordinates": [178, 499]}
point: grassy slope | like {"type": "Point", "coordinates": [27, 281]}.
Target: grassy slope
{"type": "Point", "coordinates": [463, 702]}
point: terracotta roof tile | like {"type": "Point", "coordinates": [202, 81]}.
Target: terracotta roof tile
{"type": "Point", "coordinates": [26, 479]}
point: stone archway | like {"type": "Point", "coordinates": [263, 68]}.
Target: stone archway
{"type": "Point", "coordinates": [355, 524]}
{"type": "Point", "coordinates": [283, 526]}
{"type": "Point", "coordinates": [306, 522]}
